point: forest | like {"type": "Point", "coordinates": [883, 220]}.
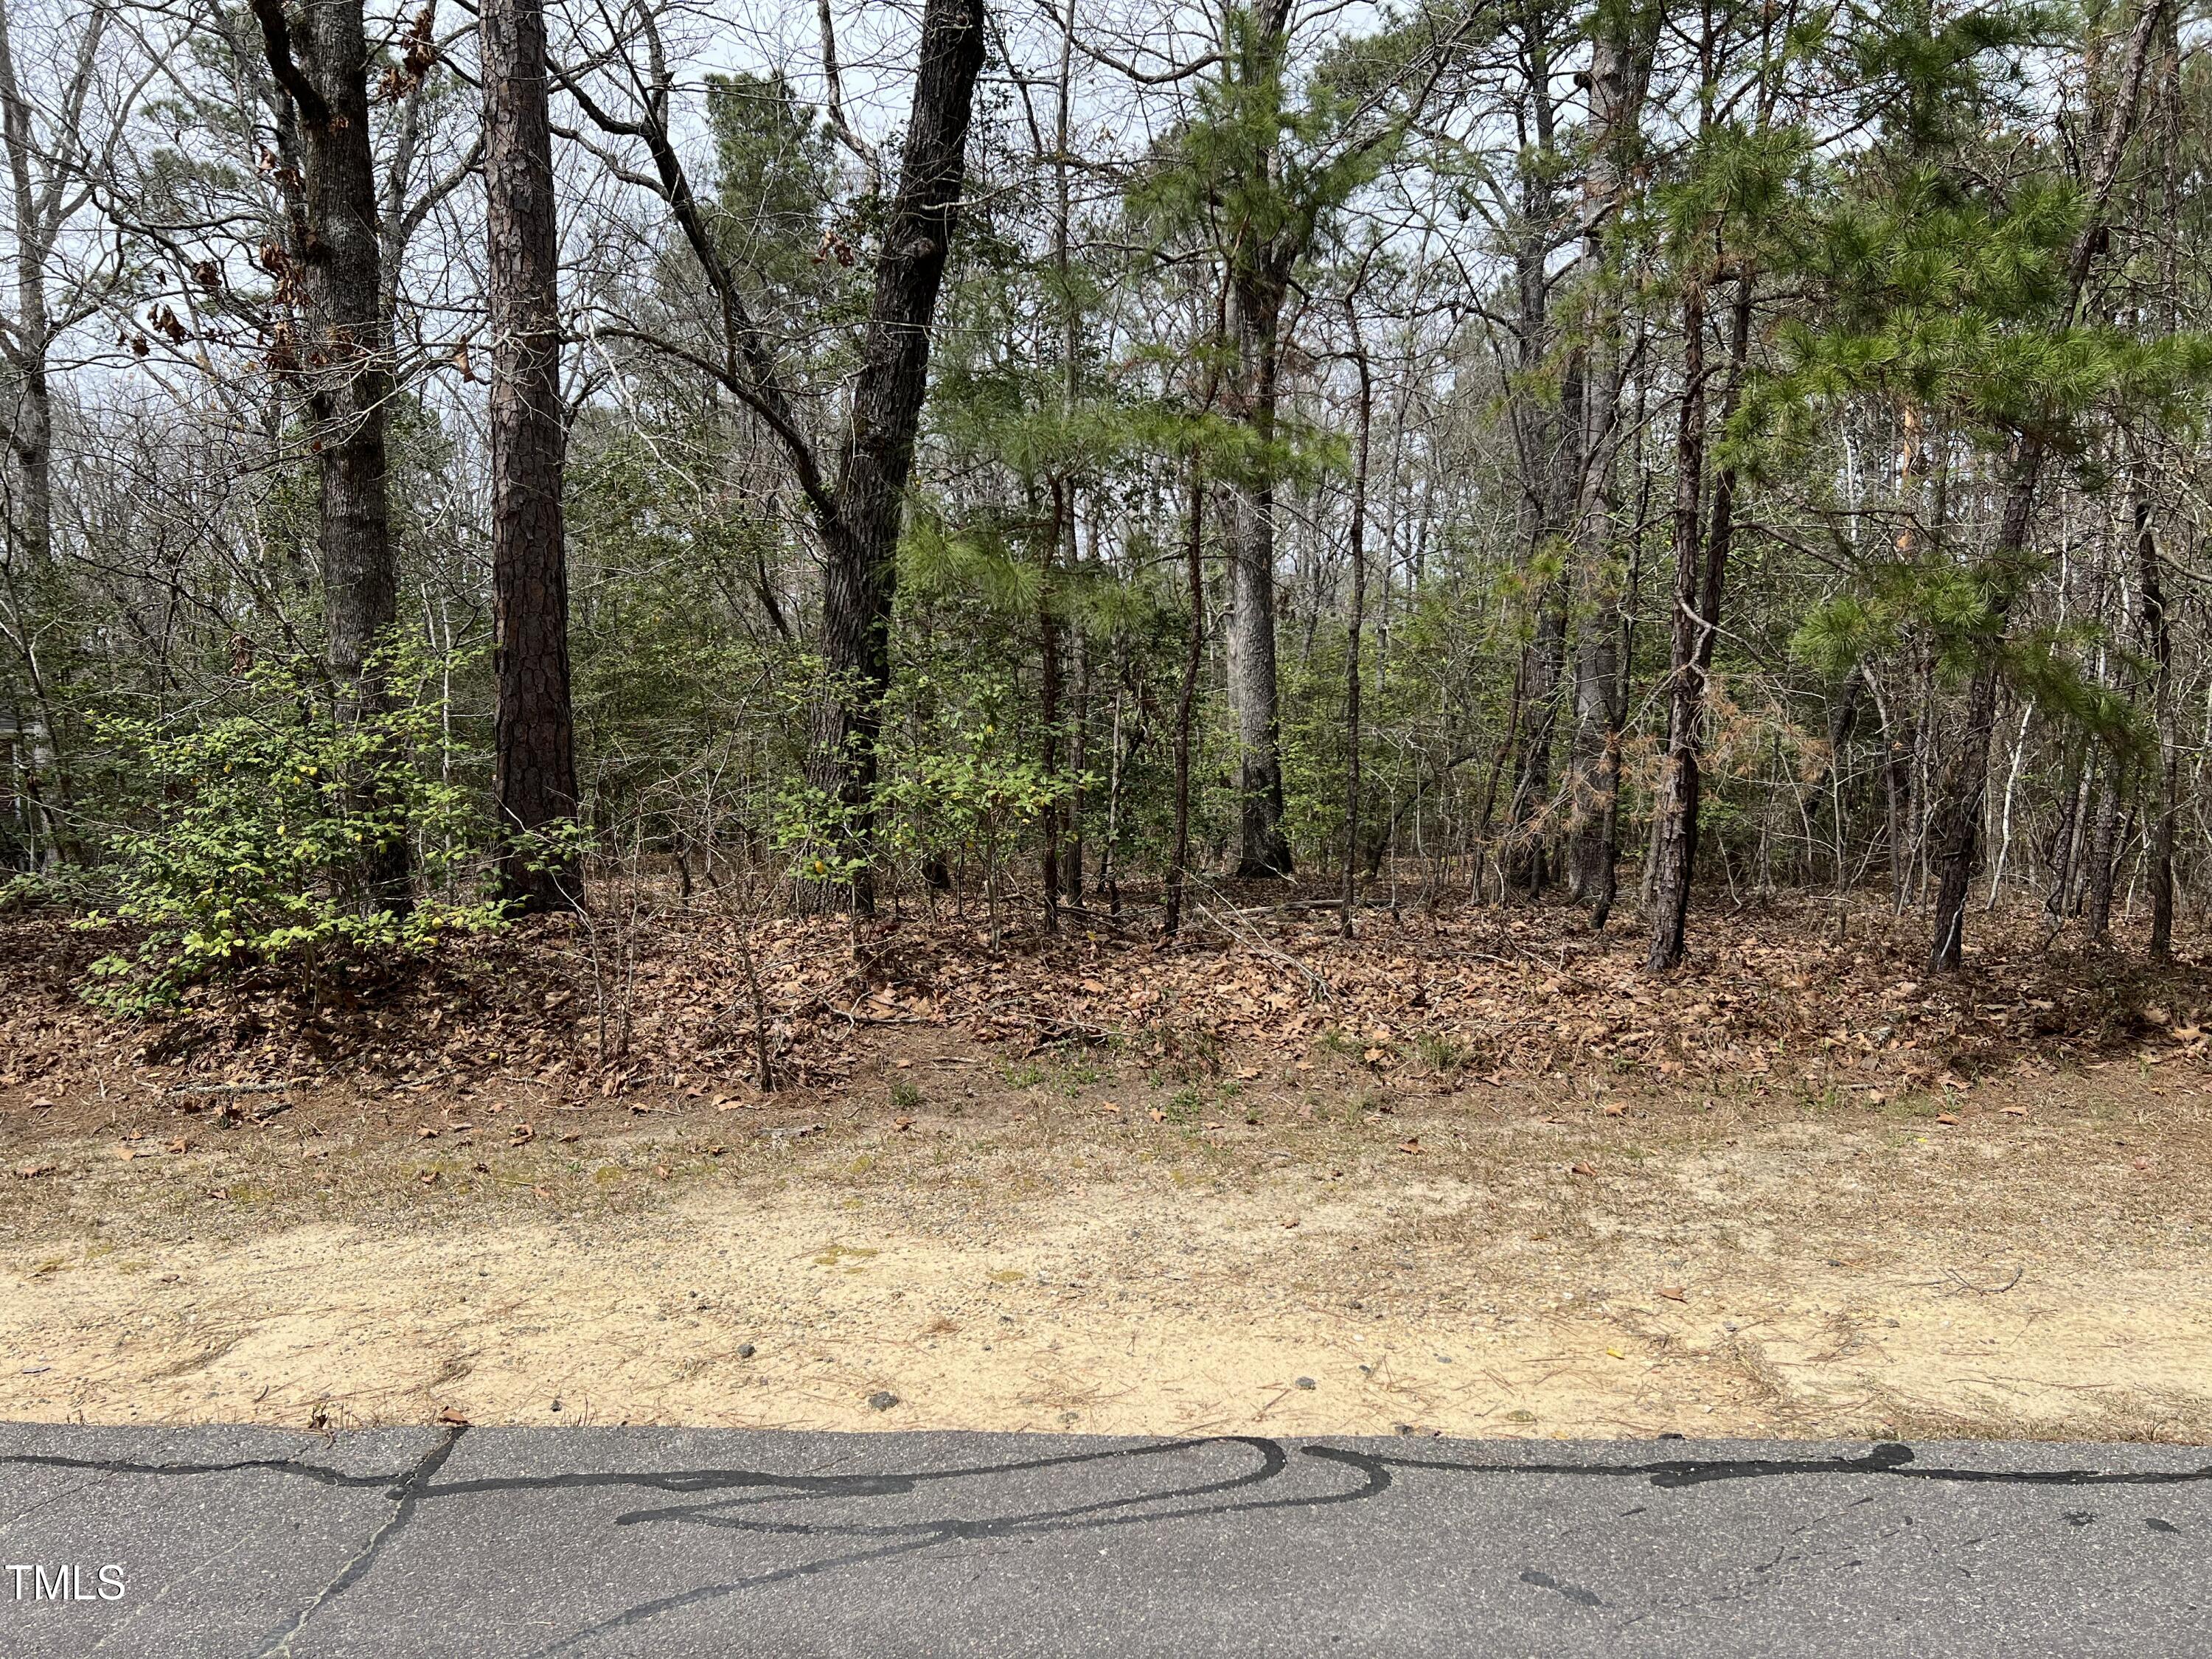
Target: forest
{"type": "Point", "coordinates": [1615, 455]}
{"type": "Point", "coordinates": [1452, 717]}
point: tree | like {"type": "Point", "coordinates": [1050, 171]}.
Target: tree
{"type": "Point", "coordinates": [1739, 173]}
{"type": "Point", "coordinates": [858, 507]}
{"type": "Point", "coordinates": [1547, 417]}
{"type": "Point", "coordinates": [1961, 291]}
{"type": "Point", "coordinates": [1966, 772]}
{"type": "Point", "coordinates": [1259, 176]}
{"type": "Point", "coordinates": [1774, 432]}
{"type": "Point", "coordinates": [343, 359]}
{"type": "Point", "coordinates": [1624, 38]}
{"type": "Point", "coordinates": [54, 146]}
{"type": "Point", "coordinates": [534, 740]}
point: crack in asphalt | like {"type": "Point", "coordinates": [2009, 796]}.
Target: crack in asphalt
{"type": "Point", "coordinates": [409, 1495]}
{"type": "Point", "coordinates": [719, 1498]}
{"type": "Point", "coordinates": [1889, 1459]}
{"type": "Point", "coordinates": [1574, 1592]}
{"type": "Point", "coordinates": [914, 1536]}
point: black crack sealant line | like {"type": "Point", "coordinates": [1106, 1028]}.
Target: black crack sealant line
{"type": "Point", "coordinates": [724, 1498]}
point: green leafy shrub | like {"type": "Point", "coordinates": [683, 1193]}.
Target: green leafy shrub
{"type": "Point", "coordinates": [67, 887]}
{"type": "Point", "coordinates": [260, 828]}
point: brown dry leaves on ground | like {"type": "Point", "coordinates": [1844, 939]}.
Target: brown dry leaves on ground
{"type": "Point", "coordinates": [652, 996]}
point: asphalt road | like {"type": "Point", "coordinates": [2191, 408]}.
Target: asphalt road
{"type": "Point", "coordinates": [483, 1542]}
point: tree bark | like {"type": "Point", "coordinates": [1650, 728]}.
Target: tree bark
{"type": "Point", "coordinates": [1262, 852]}
{"type": "Point", "coordinates": [1071, 362]}
{"type": "Point", "coordinates": [859, 514]}
{"type": "Point", "coordinates": [2158, 637]}
{"type": "Point", "coordinates": [533, 728]}
{"type": "Point", "coordinates": [860, 536]}
{"type": "Point", "coordinates": [1355, 624]}
{"type": "Point", "coordinates": [1955, 833]}
{"type": "Point", "coordinates": [1194, 653]}
{"type": "Point", "coordinates": [42, 182]}
{"type": "Point", "coordinates": [1049, 715]}
{"type": "Point", "coordinates": [1547, 452]}
{"type": "Point", "coordinates": [345, 366]}
{"type": "Point", "coordinates": [2080, 774]}
{"type": "Point", "coordinates": [1698, 584]}
{"type": "Point", "coordinates": [2104, 860]}
{"type": "Point", "coordinates": [2156, 622]}
{"type": "Point", "coordinates": [1620, 75]}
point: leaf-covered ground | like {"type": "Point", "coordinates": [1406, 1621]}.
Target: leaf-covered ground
{"type": "Point", "coordinates": [651, 999]}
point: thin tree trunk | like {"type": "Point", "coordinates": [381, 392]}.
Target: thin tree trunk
{"type": "Point", "coordinates": [2065, 845]}
{"type": "Point", "coordinates": [1048, 707]}
{"type": "Point", "coordinates": [1078, 735]}
{"type": "Point", "coordinates": [1606, 858]}
{"type": "Point", "coordinates": [2159, 637]}
{"type": "Point", "coordinates": [1620, 75]}
{"type": "Point", "coordinates": [1179, 866]}
{"type": "Point", "coordinates": [2004, 815]}
{"type": "Point", "coordinates": [1544, 440]}
{"type": "Point", "coordinates": [1697, 627]}
{"type": "Point", "coordinates": [1956, 833]}
{"type": "Point", "coordinates": [534, 733]}
{"type": "Point", "coordinates": [1357, 539]}
{"type": "Point", "coordinates": [2156, 624]}
{"type": "Point", "coordinates": [2103, 857]}
{"type": "Point", "coordinates": [1071, 359]}
{"type": "Point", "coordinates": [38, 170]}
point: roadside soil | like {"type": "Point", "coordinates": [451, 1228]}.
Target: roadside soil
{"type": "Point", "coordinates": [1007, 1252]}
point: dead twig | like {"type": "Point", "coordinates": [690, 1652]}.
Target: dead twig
{"type": "Point", "coordinates": [1964, 1283]}
{"type": "Point", "coordinates": [1316, 987]}
{"type": "Point", "coordinates": [1050, 1030]}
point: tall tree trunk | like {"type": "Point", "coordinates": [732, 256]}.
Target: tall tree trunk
{"type": "Point", "coordinates": [1698, 584]}
{"type": "Point", "coordinates": [37, 171]}
{"type": "Point", "coordinates": [2157, 629]}
{"type": "Point", "coordinates": [1048, 707]}
{"type": "Point", "coordinates": [1547, 455]}
{"type": "Point", "coordinates": [533, 728]}
{"type": "Point", "coordinates": [1619, 73]}
{"type": "Point", "coordinates": [1193, 651]}
{"type": "Point", "coordinates": [2158, 639]}
{"type": "Point", "coordinates": [859, 515]}
{"type": "Point", "coordinates": [860, 534]}
{"type": "Point", "coordinates": [1255, 316]}
{"type": "Point", "coordinates": [1071, 364]}
{"type": "Point", "coordinates": [345, 363]}
{"type": "Point", "coordinates": [1356, 624]}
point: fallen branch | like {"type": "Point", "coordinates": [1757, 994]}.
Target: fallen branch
{"type": "Point", "coordinates": [1316, 987]}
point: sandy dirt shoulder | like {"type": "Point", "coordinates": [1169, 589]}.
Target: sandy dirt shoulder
{"type": "Point", "coordinates": [1500, 1262]}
